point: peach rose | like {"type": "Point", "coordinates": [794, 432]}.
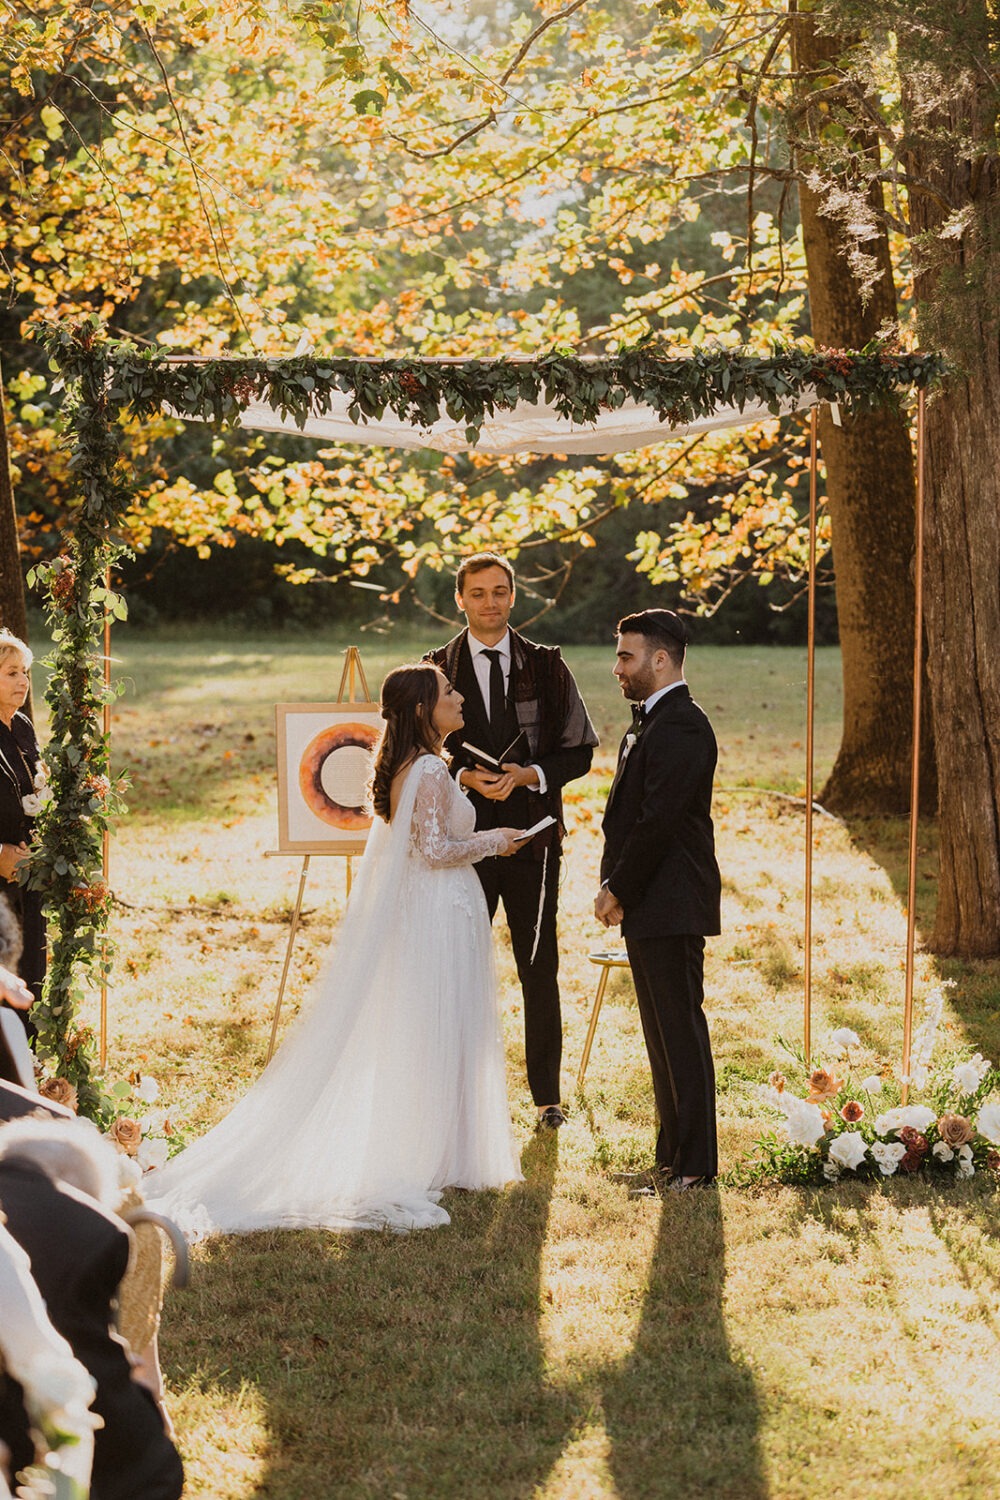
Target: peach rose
{"type": "Point", "coordinates": [60, 1091]}
{"type": "Point", "coordinates": [777, 1081]}
{"type": "Point", "coordinates": [822, 1085]}
{"type": "Point", "coordinates": [126, 1135]}
{"type": "Point", "coordinates": [852, 1111]}
{"type": "Point", "coordinates": [955, 1130]}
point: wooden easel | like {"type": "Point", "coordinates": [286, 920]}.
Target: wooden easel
{"type": "Point", "coordinates": [351, 678]}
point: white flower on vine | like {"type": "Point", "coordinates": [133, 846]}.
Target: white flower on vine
{"type": "Point", "coordinates": [147, 1089]}
{"type": "Point", "coordinates": [967, 1076]}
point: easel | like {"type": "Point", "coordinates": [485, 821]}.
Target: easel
{"type": "Point", "coordinates": [352, 676]}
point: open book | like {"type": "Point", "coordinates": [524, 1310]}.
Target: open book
{"type": "Point", "coordinates": [516, 753]}
{"type": "Point", "coordinates": [529, 833]}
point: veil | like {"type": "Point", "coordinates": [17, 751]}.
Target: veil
{"type": "Point", "coordinates": [343, 1129]}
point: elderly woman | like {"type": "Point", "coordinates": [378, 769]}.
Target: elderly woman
{"type": "Point", "coordinates": [18, 805]}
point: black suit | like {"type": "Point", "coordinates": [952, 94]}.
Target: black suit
{"type": "Point", "coordinates": [659, 862]}
{"type": "Point", "coordinates": [18, 765]}
{"type": "Point", "coordinates": [542, 700]}
{"type": "Point", "coordinates": [79, 1255]}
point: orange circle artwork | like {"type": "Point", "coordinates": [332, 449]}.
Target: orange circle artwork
{"type": "Point", "coordinates": [333, 772]}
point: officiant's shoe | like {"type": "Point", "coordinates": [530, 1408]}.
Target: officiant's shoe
{"type": "Point", "coordinates": [685, 1184]}
{"type": "Point", "coordinates": [551, 1118]}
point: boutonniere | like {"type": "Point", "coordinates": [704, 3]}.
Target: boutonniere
{"type": "Point", "coordinates": [630, 741]}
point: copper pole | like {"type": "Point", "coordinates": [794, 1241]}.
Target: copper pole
{"type": "Point", "coordinates": [810, 726]}
{"type": "Point", "coordinates": [106, 840]}
{"type": "Point", "coordinates": [918, 643]}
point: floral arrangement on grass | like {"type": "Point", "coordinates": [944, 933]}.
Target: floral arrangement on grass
{"type": "Point", "coordinates": [143, 1134]}
{"type": "Point", "coordinates": [841, 1129]}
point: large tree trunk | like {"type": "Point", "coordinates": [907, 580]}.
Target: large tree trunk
{"type": "Point", "coordinates": [870, 488]}
{"type": "Point", "coordinates": [958, 291]}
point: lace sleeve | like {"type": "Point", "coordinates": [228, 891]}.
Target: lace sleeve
{"type": "Point", "coordinates": [429, 827]}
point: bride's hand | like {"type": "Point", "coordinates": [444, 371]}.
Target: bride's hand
{"type": "Point", "coordinates": [514, 837]}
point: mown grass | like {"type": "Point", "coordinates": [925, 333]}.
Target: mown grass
{"type": "Point", "coordinates": [558, 1341]}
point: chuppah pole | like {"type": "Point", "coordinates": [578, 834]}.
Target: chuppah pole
{"type": "Point", "coordinates": [106, 839]}
{"type": "Point", "coordinates": [810, 727]}
{"type": "Point", "coordinates": [918, 656]}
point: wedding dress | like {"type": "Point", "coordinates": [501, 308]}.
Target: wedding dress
{"type": "Point", "coordinates": [390, 1084]}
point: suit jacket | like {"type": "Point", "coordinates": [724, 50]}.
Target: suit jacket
{"type": "Point", "coordinates": [543, 701]}
{"type": "Point", "coordinates": [659, 844]}
{"type": "Point", "coordinates": [79, 1254]}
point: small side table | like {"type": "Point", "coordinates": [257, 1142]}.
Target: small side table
{"type": "Point", "coordinates": [607, 959]}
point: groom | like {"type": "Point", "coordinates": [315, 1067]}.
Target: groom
{"type": "Point", "coordinates": [514, 688]}
{"type": "Point", "coordinates": [660, 881]}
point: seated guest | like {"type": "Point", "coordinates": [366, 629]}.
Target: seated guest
{"type": "Point", "coordinates": [58, 1182]}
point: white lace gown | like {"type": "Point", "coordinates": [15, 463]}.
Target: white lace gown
{"type": "Point", "coordinates": [390, 1086]}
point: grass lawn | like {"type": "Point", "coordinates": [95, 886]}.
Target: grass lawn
{"type": "Point", "coordinates": [558, 1341]}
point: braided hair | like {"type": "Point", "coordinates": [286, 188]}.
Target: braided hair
{"type": "Point", "coordinates": [409, 697]}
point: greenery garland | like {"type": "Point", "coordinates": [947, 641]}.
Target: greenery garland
{"type": "Point", "coordinates": [107, 378]}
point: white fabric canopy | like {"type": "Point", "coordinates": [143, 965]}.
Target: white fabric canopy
{"type": "Point", "coordinates": [529, 428]}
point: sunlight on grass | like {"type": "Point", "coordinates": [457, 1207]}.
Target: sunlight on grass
{"type": "Point", "coordinates": [559, 1341]}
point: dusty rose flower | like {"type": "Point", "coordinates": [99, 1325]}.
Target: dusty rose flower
{"type": "Point", "coordinates": [993, 1160]}
{"type": "Point", "coordinates": [955, 1130]}
{"type": "Point", "coordinates": [60, 1091]}
{"type": "Point", "coordinates": [777, 1081]}
{"type": "Point", "coordinates": [914, 1141]}
{"type": "Point", "coordinates": [126, 1134]}
{"type": "Point", "coordinates": [822, 1085]}
{"type": "Point", "coordinates": [912, 1161]}
{"type": "Point", "coordinates": [99, 785]}
{"type": "Point", "coordinates": [852, 1112]}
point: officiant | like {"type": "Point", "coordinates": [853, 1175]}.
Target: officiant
{"type": "Point", "coordinates": [530, 734]}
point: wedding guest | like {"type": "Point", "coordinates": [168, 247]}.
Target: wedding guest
{"type": "Point", "coordinates": [19, 804]}
{"type": "Point", "coordinates": [58, 1186]}
{"type": "Point", "coordinates": [514, 688]}
{"type": "Point", "coordinates": [660, 881]}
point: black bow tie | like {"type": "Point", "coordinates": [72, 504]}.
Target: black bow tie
{"type": "Point", "coordinates": [638, 716]}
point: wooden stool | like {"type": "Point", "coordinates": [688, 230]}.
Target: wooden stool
{"type": "Point", "coordinates": [608, 959]}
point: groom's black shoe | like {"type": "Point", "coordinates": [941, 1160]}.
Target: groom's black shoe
{"type": "Point", "coordinates": [551, 1118]}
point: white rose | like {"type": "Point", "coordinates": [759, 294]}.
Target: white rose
{"type": "Point", "coordinates": [872, 1084]}
{"type": "Point", "coordinates": [888, 1154]}
{"type": "Point", "coordinates": [804, 1122]}
{"type": "Point", "coordinates": [849, 1150]}
{"type": "Point", "coordinates": [152, 1154]}
{"type": "Point", "coordinates": [148, 1090]}
{"type": "Point", "coordinates": [964, 1168]}
{"type": "Point", "coordinates": [917, 1115]}
{"type": "Point", "coordinates": [845, 1038]}
{"type": "Point", "coordinates": [967, 1076]}
{"type": "Point", "coordinates": [942, 1151]}
{"type": "Point", "coordinates": [988, 1123]}
{"type": "Point", "coordinates": [965, 1152]}
{"type": "Point", "coordinates": [154, 1122]}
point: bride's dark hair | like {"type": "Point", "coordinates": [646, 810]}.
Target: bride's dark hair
{"type": "Point", "coordinates": [409, 697]}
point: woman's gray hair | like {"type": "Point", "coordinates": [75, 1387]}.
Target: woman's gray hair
{"type": "Point", "coordinates": [68, 1151]}
{"type": "Point", "coordinates": [9, 643]}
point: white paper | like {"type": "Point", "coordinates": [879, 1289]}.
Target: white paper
{"type": "Point", "coordinates": [529, 833]}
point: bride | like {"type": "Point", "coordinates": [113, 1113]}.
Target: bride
{"type": "Point", "coordinates": [390, 1085]}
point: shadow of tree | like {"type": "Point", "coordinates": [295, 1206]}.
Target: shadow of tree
{"type": "Point", "coordinates": [706, 1442]}
{"type": "Point", "coordinates": [387, 1364]}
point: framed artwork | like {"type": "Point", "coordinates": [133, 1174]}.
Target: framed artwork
{"type": "Point", "coordinates": [324, 761]}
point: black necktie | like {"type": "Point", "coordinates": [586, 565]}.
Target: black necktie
{"type": "Point", "coordinates": [498, 696]}
{"type": "Point", "coordinates": [638, 717]}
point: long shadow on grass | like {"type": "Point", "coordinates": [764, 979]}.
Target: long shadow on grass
{"type": "Point", "coordinates": [682, 1413]}
{"type": "Point", "coordinates": [382, 1364]}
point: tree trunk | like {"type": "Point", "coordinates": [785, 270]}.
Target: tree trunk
{"type": "Point", "coordinates": [871, 493]}
{"type": "Point", "coordinates": [13, 612]}
{"type": "Point", "coordinates": [958, 292]}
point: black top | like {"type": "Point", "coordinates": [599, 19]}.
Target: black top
{"type": "Point", "coordinates": [18, 765]}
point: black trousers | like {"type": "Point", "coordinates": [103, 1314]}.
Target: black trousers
{"type": "Point", "coordinates": [668, 973]}
{"type": "Point", "coordinates": [518, 884]}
